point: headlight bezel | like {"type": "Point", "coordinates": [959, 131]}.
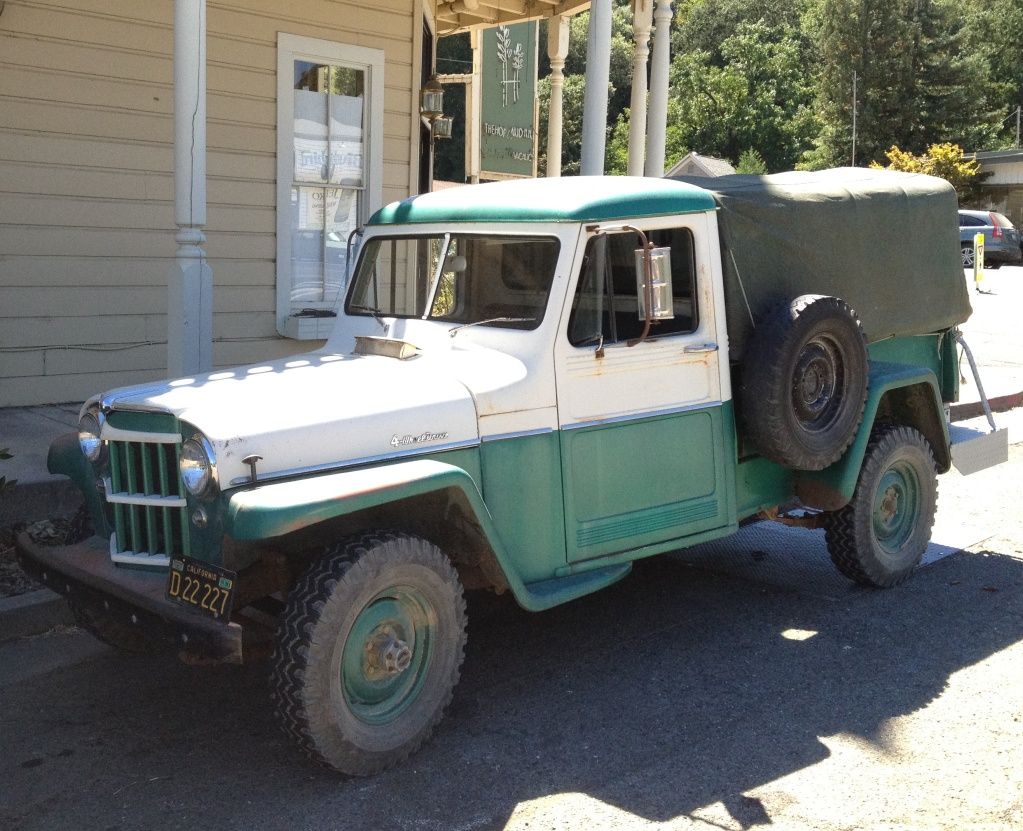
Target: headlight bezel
{"type": "Point", "coordinates": [197, 455]}
{"type": "Point", "coordinates": [90, 441]}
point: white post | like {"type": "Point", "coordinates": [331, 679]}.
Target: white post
{"type": "Point", "coordinates": [657, 117]}
{"type": "Point", "coordinates": [557, 51]}
{"type": "Point", "coordinates": [190, 281]}
{"type": "Point", "coordinates": [474, 108]}
{"type": "Point", "coordinates": [598, 72]}
{"type": "Point", "coordinates": [642, 19]}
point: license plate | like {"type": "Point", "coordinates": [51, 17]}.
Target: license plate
{"type": "Point", "coordinates": [206, 588]}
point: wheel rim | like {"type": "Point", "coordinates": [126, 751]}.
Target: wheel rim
{"type": "Point", "coordinates": [387, 655]}
{"type": "Point", "coordinates": [818, 378]}
{"type": "Point", "coordinates": [967, 257]}
{"type": "Point", "coordinates": [896, 507]}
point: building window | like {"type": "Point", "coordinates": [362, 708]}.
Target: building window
{"type": "Point", "coordinates": [329, 172]}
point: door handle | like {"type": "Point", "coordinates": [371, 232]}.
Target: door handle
{"type": "Point", "coordinates": [698, 348]}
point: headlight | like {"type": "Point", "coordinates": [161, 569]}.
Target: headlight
{"type": "Point", "coordinates": [88, 436]}
{"type": "Point", "coordinates": [196, 466]}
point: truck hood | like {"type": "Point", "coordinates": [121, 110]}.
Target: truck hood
{"type": "Point", "coordinates": [316, 411]}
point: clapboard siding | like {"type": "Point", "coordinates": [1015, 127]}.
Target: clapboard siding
{"type": "Point", "coordinates": [95, 272]}
{"type": "Point", "coordinates": [133, 328]}
{"type": "Point", "coordinates": [87, 188]}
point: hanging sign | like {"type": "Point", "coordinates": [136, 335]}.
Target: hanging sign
{"type": "Point", "coordinates": [508, 107]}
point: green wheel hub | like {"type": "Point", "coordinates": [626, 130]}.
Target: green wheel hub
{"type": "Point", "coordinates": [896, 507]}
{"type": "Point", "coordinates": [387, 654]}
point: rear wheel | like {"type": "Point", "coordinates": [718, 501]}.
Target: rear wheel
{"type": "Point", "coordinates": [369, 650]}
{"type": "Point", "coordinates": [880, 536]}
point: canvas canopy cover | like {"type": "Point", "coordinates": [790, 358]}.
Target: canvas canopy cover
{"type": "Point", "coordinates": [885, 242]}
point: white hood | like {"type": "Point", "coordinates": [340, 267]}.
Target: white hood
{"type": "Point", "coordinates": [314, 411]}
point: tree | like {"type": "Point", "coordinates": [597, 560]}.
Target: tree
{"type": "Point", "coordinates": [917, 79]}
{"type": "Point", "coordinates": [757, 98]}
{"type": "Point", "coordinates": [750, 161]}
{"type": "Point", "coordinates": [703, 25]}
{"type": "Point", "coordinates": [944, 160]}
{"type": "Point", "coordinates": [996, 31]}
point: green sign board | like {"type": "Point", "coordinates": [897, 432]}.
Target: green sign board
{"type": "Point", "coordinates": [507, 119]}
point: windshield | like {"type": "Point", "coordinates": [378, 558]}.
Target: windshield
{"type": "Point", "coordinates": [460, 278]}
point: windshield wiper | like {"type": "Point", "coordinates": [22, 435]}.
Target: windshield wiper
{"type": "Point", "coordinates": [457, 329]}
{"type": "Point", "coordinates": [369, 310]}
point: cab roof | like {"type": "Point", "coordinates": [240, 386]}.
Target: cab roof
{"type": "Point", "coordinates": [559, 199]}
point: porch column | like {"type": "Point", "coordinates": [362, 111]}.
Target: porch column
{"type": "Point", "coordinates": [598, 72]}
{"type": "Point", "coordinates": [190, 280]}
{"type": "Point", "coordinates": [657, 117]}
{"type": "Point", "coordinates": [642, 19]}
{"type": "Point", "coordinates": [557, 51]}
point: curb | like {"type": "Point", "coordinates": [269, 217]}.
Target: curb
{"type": "Point", "coordinates": [974, 409]}
{"type": "Point", "coordinates": [32, 613]}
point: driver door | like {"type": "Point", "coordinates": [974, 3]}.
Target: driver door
{"type": "Point", "coordinates": [641, 426]}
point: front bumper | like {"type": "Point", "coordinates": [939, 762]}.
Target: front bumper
{"type": "Point", "coordinates": [84, 574]}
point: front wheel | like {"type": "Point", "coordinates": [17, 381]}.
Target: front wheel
{"type": "Point", "coordinates": [880, 536]}
{"type": "Point", "coordinates": [369, 651]}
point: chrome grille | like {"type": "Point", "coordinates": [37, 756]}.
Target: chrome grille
{"type": "Point", "coordinates": [150, 522]}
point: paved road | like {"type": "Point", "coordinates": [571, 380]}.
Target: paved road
{"type": "Point", "coordinates": [995, 332]}
{"type": "Point", "coordinates": [686, 696]}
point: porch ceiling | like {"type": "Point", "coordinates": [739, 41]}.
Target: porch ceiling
{"type": "Point", "coordinates": [460, 15]}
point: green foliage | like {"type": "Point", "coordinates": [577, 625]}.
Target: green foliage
{"type": "Point", "coordinates": [995, 29]}
{"type": "Point", "coordinates": [918, 79]}
{"type": "Point", "coordinates": [704, 25]}
{"type": "Point", "coordinates": [944, 160]}
{"type": "Point", "coordinates": [758, 98]}
{"type": "Point", "coordinates": [750, 161]}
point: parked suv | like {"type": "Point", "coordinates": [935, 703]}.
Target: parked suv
{"type": "Point", "coordinates": [1001, 239]}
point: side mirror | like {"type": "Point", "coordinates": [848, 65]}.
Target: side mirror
{"type": "Point", "coordinates": [655, 262]}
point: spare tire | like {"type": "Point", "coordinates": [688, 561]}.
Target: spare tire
{"type": "Point", "coordinates": [804, 382]}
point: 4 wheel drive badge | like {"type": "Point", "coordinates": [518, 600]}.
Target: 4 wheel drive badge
{"type": "Point", "coordinates": [405, 441]}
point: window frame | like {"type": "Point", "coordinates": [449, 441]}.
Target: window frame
{"type": "Point", "coordinates": [610, 294]}
{"type": "Point", "coordinates": [291, 48]}
{"type": "Point", "coordinates": [446, 237]}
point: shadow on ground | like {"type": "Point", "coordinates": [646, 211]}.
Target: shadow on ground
{"type": "Point", "coordinates": [672, 691]}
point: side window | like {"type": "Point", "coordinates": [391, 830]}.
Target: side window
{"type": "Point", "coordinates": [605, 304]}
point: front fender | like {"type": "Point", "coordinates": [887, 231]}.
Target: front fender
{"type": "Point", "coordinates": [65, 457]}
{"type": "Point", "coordinates": [284, 507]}
{"type": "Point", "coordinates": [281, 508]}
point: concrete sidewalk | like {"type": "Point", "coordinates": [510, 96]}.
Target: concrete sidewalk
{"type": "Point", "coordinates": [27, 433]}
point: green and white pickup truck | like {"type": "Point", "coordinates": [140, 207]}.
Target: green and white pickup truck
{"type": "Point", "coordinates": [530, 385]}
